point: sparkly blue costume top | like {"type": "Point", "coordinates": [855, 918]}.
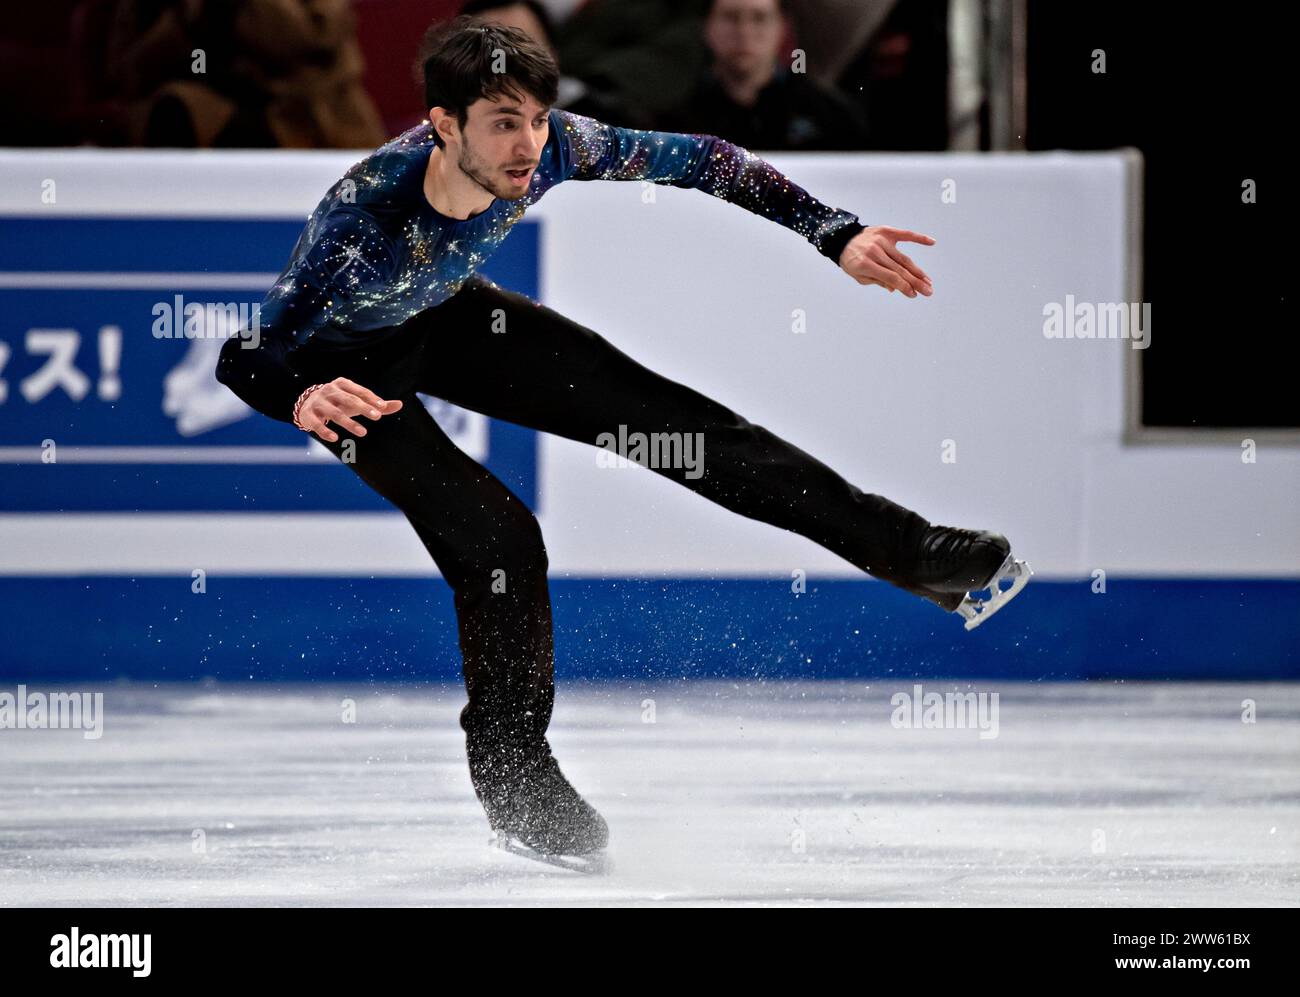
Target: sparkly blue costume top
{"type": "Point", "coordinates": [375, 252]}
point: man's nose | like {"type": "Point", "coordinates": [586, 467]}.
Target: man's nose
{"type": "Point", "coordinates": [530, 148]}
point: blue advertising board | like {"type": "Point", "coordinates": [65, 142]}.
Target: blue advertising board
{"type": "Point", "coordinates": [109, 334]}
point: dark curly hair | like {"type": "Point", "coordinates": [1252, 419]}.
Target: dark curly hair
{"type": "Point", "coordinates": [465, 59]}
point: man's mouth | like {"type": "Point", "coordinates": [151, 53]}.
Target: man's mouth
{"type": "Point", "coordinates": [520, 175]}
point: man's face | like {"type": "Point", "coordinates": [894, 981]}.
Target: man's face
{"type": "Point", "coordinates": [744, 35]}
{"type": "Point", "coordinates": [501, 144]}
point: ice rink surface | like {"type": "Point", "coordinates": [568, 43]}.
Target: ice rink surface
{"type": "Point", "coordinates": [752, 793]}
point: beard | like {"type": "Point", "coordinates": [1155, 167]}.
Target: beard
{"type": "Point", "coordinates": [487, 177]}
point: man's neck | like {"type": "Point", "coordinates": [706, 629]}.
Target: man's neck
{"type": "Point", "coordinates": [450, 191]}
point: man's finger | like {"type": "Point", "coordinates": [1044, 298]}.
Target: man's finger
{"type": "Point", "coordinates": [896, 272]}
{"type": "Point", "coordinates": [906, 235]}
{"type": "Point", "coordinates": [365, 394]}
{"type": "Point", "coordinates": [877, 274]}
{"type": "Point", "coordinates": [385, 407]}
{"type": "Point", "coordinates": [911, 267]}
{"type": "Point", "coordinates": [339, 417]}
{"type": "Point", "coordinates": [889, 280]}
{"type": "Point", "coordinates": [349, 404]}
{"type": "Point", "coordinates": [912, 282]}
{"type": "Point", "coordinates": [318, 427]}
{"type": "Point", "coordinates": [372, 406]}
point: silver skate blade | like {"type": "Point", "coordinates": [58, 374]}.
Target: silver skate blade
{"type": "Point", "coordinates": [976, 611]}
{"type": "Point", "coordinates": [594, 864]}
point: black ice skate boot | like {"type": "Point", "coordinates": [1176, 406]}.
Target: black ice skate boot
{"type": "Point", "coordinates": [535, 811]}
{"type": "Point", "coordinates": [949, 563]}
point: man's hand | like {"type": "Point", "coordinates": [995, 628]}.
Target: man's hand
{"type": "Point", "coordinates": [338, 401]}
{"type": "Point", "coordinates": [872, 257]}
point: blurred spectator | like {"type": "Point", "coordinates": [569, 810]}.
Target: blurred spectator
{"type": "Point", "coordinates": [643, 54]}
{"type": "Point", "coordinates": [901, 77]}
{"type": "Point", "coordinates": [754, 93]}
{"type": "Point", "coordinates": [533, 18]}
{"type": "Point", "coordinates": [834, 32]}
{"type": "Point", "coordinates": [260, 73]}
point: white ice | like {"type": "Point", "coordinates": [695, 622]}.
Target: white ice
{"type": "Point", "coordinates": [755, 793]}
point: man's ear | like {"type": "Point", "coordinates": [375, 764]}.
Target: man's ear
{"type": "Point", "coordinates": [444, 123]}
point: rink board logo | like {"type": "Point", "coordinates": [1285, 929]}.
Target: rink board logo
{"type": "Point", "coordinates": [102, 951]}
{"type": "Point", "coordinates": [110, 329]}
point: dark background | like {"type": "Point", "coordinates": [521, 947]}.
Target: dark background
{"type": "Point", "coordinates": [1208, 101]}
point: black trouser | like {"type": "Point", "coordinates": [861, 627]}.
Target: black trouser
{"type": "Point", "coordinates": [548, 373]}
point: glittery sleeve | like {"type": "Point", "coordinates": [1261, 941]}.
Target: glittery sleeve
{"type": "Point", "coordinates": [593, 150]}
{"type": "Point", "coordinates": [347, 258]}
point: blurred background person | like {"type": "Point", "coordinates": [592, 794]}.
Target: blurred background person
{"type": "Point", "coordinates": [293, 72]}
{"type": "Point", "coordinates": [643, 54]}
{"type": "Point", "coordinates": [756, 90]}
{"type": "Point", "coordinates": [899, 74]}
{"type": "Point", "coordinates": [534, 20]}
{"type": "Point", "coordinates": [257, 74]}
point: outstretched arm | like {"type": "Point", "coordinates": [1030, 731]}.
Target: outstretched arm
{"type": "Point", "coordinates": [594, 150]}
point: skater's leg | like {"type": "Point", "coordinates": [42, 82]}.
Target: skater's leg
{"type": "Point", "coordinates": [502, 354]}
{"type": "Point", "coordinates": [487, 545]}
